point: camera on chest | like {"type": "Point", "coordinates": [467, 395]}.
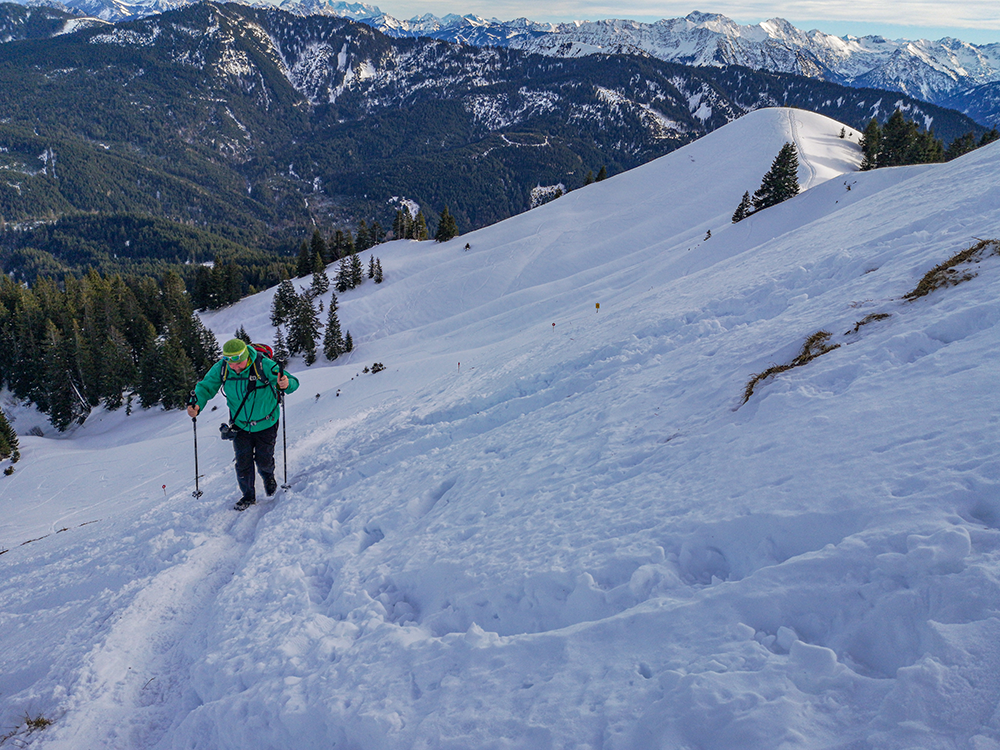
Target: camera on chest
{"type": "Point", "coordinates": [227, 431]}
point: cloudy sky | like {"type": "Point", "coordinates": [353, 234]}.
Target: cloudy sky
{"type": "Point", "coordinates": [975, 21]}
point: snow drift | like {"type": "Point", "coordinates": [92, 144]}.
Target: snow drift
{"type": "Point", "coordinates": [552, 524]}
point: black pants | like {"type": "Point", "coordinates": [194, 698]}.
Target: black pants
{"type": "Point", "coordinates": [254, 448]}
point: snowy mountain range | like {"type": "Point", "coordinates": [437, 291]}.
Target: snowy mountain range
{"type": "Point", "coordinates": [555, 519]}
{"type": "Point", "coordinates": [947, 71]}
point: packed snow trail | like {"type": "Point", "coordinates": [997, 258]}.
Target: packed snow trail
{"type": "Point", "coordinates": [583, 538]}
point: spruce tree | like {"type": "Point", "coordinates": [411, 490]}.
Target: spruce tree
{"type": "Point", "coordinates": [378, 271]}
{"type": "Point", "coordinates": [280, 347]}
{"type": "Point", "coordinates": [744, 209]}
{"type": "Point", "coordinates": [320, 281]}
{"type": "Point", "coordinates": [9, 447]}
{"type": "Point", "coordinates": [377, 233]}
{"type": "Point", "coordinates": [333, 340]}
{"type": "Point", "coordinates": [304, 264]}
{"type": "Point", "coordinates": [317, 246]}
{"type": "Point", "coordinates": [178, 376]}
{"type": "Point", "coordinates": [348, 343]}
{"type": "Point", "coordinates": [447, 228]}
{"type": "Point", "coordinates": [357, 271]}
{"type": "Point", "coordinates": [344, 275]}
{"type": "Point", "coordinates": [303, 330]}
{"type": "Point", "coordinates": [603, 174]}
{"type": "Point", "coordinates": [781, 182]}
{"type": "Point", "coordinates": [420, 227]}
{"type": "Point", "coordinates": [871, 145]}
{"type": "Point", "coordinates": [283, 303]}
{"type": "Point", "coordinates": [363, 240]}
{"type": "Point", "coordinates": [371, 266]}
{"type": "Point", "coordinates": [242, 335]}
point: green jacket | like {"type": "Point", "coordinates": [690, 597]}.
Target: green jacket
{"type": "Point", "coordinates": [260, 376]}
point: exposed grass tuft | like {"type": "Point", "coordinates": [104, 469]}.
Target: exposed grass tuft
{"type": "Point", "coordinates": [949, 273]}
{"type": "Point", "coordinates": [28, 726]}
{"type": "Point", "coordinates": [869, 319]}
{"type": "Point", "coordinates": [815, 346]}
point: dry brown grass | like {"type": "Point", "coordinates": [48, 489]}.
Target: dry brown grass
{"type": "Point", "coordinates": [950, 273]}
{"type": "Point", "coordinates": [815, 346]}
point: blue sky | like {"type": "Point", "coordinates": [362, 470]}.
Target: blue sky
{"type": "Point", "coordinates": [976, 21]}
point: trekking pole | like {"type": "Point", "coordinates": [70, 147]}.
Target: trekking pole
{"type": "Point", "coordinates": [284, 435]}
{"type": "Point", "coordinates": [193, 400]}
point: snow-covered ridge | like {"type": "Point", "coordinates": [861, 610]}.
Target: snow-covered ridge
{"type": "Point", "coordinates": [552, 524]}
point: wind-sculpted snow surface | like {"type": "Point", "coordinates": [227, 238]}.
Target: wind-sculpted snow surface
{"type": "Point", "coordinates": [550, 524]}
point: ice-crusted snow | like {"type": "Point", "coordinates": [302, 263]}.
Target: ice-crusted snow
{"type": "Point", "coordinates": [548, 524]}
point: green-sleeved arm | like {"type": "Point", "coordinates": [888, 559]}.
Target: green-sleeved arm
{"type": "Point", "coordinates": [209, 385]}
{"type": "Point", "coordinates": [272, 372]}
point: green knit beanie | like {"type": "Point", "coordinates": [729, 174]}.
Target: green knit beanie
{"type": "Point", "coordinates": [235, 350]}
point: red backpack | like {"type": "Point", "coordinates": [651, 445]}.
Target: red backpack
{"type": "Point", "coordinates": [261, 349]}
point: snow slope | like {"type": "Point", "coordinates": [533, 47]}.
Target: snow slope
{"type": "Point", "coordinates": [552, 525]}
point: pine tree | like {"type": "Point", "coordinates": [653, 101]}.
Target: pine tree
{"type": "Point", "coordinates": [318, 247]}
{"type": "Point", "coordinates": [333, 340]}
{"type": "Point", "coordinates": [363, 240]}
{"type": "Point", "coordinates": [242, 335]}
{"type": "Point", "coordinates": [377, 233]}
{"type": "Point", "coordinates": [447, 228]}
{"type": "Point", "coordinates": [781, 182]}
{"type": "Point", "coordinates": [9, 447]}
{"type": "Point", "coordinates": [603, 174]}
{"type": "Point", "coordinates": [178, 375]}
{"type": "Point", "coordinates": [378, 271]}
{"type": "Point", "coordinates": [744, 209]}
{"type": "Point", "coordinates": [897, 139]}
{"type": "Point", "coordinates": [283, 303]}
{"type": "Point", "coordinates": [357, 271]}
{"type": "Point", "coordinates": [960, 146]}
{"type": "Point", "coordinates": [871, 145]}
{"type": "Point", "coordinates": [280, 347]}
{"type": "Point", "coordinates": [64, 402]}
{"type": "Point", "coordinates": [589, 179]}
{"type": "Point", "coordinates": [344, 275]}
{"type": "Point", "coordinates": [320, 281]}
{"type": "Point", "coordinates": [420, 227]}
{"type": "Point", "coordinates": [989, 137]}
{"type": "Point", "coordinates": [303, 330]}
{"type": "Point", "coordinates": [371, 266]}
{"type": "Point", "coordinates": [303, 266]}
{"type": "Point", "coordinates": [348, 343]}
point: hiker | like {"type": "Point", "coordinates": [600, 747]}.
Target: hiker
{"type": "Point", "coordinates": [251, 382]}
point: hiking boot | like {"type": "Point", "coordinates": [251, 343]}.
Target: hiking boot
{"type": "Point", "coordinates": [244, 503]}
{"type": "Point", "coordinates": [270, 485]}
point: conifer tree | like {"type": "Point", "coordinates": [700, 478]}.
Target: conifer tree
{"type": "Point", "coordinates": [317, 246]}
{"type": "Point", "coordinates": [371, 266]}
{"type": "Point", "coordinates": [9, 447]}
{"type": "Point", "coordinates": [989, 137]}
{"type": "Point", "coordinates": [871, 145]}
{"type": "Point", "coordinates": [589, 179]}
{"type": "Point", "coordinates": [242, 335]}
{"type": "Point", "coordinates": [283, 303]}
{"type": "Point", "coordinates": [303, 330]}
{"type": "Point", "coordinates": [363, 240]}
{"type": "Point", "coordinates": [178, 375]}
{"type": "Point", "coordinates": [344, 275]}
{"type": "Point", "coordinates": [320, 281]}
{"type": "Point", "coordinates": [333, 340]}
{"type": "Point", "coordinates": [603, 174]}
{"type": "Point", "coordinates": [377, 233]}
{"type": "Point", "coordinates": [781, 182]}
{"type": "Point", "coordinates": [348, 343]}
{"type": "Point", "coordinates": [420, 227]}
{"type": "Point", "coordinates": [63, 400]}
{"type": "Point", "coordinates": [378, 270]}
{"type": "Point", "coordinates": [447, 228]}
{"type": "Point", "coordinates": [744, 209]}
{"type": "Point", "coordinates": [280, 347]}
{"type": "Point", "coordinates": [960, 146]}
{"type": "Point", "coordinates": [357, 271]}
{"type": "Point", "coordinates": [304, 264]}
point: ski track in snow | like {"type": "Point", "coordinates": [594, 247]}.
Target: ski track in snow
{"type": "Point", "coordinates": [581, 538]}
